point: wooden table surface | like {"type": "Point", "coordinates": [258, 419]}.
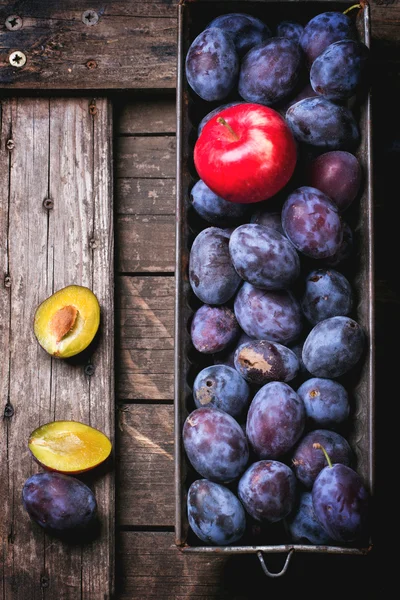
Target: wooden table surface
{"type": "Point", "coordinates": [148, 565]}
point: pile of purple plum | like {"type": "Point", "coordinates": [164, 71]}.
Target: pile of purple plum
{"type": "Point", "coordinates": [275, 320]}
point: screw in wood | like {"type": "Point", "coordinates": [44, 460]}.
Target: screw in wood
{"type": "Point", "coordinates": [17, 59]}
{"type": "Point", "coordinates": [48, 203]}
{"type": "Point", "coordinates": [7, 281]}
{"type": "Point", "coordinates": [93, 243]}
{"type": "Point", "coordinates": [8, 411]}
{"type": "Point", "coordinates": [10, 144]}
{"type": "Point", "coordinates": [44, 581]}
{"type": "Point", "coordinates": [92, 109]}
{"type": "Point", "coordinates": [89, 369]}
{"type": "Point", "coordinates": [90, 17]}
{"type": "Point", "coordinates": [91, 64]}
{"type": "Point", "coordinates": [13, 22]}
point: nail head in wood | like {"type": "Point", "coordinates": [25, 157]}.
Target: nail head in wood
{"type": "Point", "coordinates": [89, 369]}
{"type": "Point", "coordinates": [93, 243]}
{"type": "Point", "coordinates": [91, 64]}
{"type": "Point", "coordinates": [8, 411]}
{"type": "Point", "coordinates": [7, 281]}
{"type": "Point", "coordinates": [48, 203]}
{"type": "Point", "coordinates": [92, 109]}
{"type": "Point", "coordinates": [17, 59]}
{"type": "Point", "coordinates": [90, 17]}
{"type": "Point", "coordinates": [13, 22]}
{"type": "Point", "coordinates": [10, 144]}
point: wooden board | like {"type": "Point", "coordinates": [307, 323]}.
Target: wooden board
{"type": "Point", "coordinates": [123, 45]}
{"type": "Point", "coordinates": [62, 152]}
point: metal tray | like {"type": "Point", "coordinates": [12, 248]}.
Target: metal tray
{"type": "Point", "coordinates": [193, 16]}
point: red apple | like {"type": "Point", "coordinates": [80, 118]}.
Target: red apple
{"type": "Point", "coordinates": [246, 153]}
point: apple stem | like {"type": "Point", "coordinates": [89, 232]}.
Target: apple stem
{"type": "Point", "coordinates": [320, 447]}
{"type": "Point", "coordinates": [225, 124]}
{"type": "Point", "coordinates": [354, 6]}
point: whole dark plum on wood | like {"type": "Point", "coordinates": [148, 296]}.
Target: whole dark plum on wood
{"type": "Point", "coordinates": [267, 490]}
{"type": "Point", "coordinates": [302, 524]}
{"type": "Point", "coordinates": [212, 65]}
{"type": "Point", "coordinates": [270, 71]}
{"type": "Point", "coordinates": [321, 123]}
{"type": "Point", "coordinates": [223, 387]}
{"type": "Point", "coordinates": [215, 514]}
{"type": "Point", "coordinates": [213, 328]}
{"type": "Point", "coordinates": [312, 222]}
{"type": "Point", "coordinates": [339, 72]}
{"type": "Point", "coordinates": [327, 293]}
{"type": "Point", "coordinates": [212, 275]}
{"type": "Point", "coordinates": [341, 502]}
{"type": "Point", "coordinates": [338, 175]}
{"type": "Point", "coordinates": [307, 461]}
{"type": "Point", "coordinates": [333, 347]}
{"type": "Point", "coordinates": [264, 257]}
{"type": "Point", "coordinates": [275, 420]}
{"type": "Point", "coordinates": [323, 30]}
{"type": "Point", "coordinates": [59, 503]}
{"type": "Point", "coordinates": [261, 361]}
{"type": "Point", "coordinates": [215, 444]}
{"type": "Point", "coordinates": [268, 315]}
{"type": "Point", "coordinates": [245, 30]}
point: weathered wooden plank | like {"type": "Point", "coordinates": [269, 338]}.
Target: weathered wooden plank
{"type": "Point", "coordinates": [145, 243]}
{"type": "Point", "coordinates": [145, 470]}
{"type": "Point", "coordinates": [151, 568]}
{"type": "Point", "coordinates": [115, 50]}
{"type": "Point", "coordinates": [55, 155]}
{"type": "Point", "coordinates": [144, 321]}
{"type": "Point", "coordinates": [73, 9]}
{"type": "Point", "coordinates": [147, 114]}
{"type": "Point", "coordinates": [152, 157]}
{"type": "Point", "coordinates": [145, 196]}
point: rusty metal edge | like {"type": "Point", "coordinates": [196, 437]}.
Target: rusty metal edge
{"type": "Point", "coordinates": [180, 538]}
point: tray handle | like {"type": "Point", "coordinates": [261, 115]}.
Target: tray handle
{"type": "Point", "coordinates": [284, 568]}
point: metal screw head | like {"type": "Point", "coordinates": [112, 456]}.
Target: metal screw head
{"type": "Point", "coordinates": [89, 369]}
{"type": "Point", "coordinates": [91, 64]}
{"type": "Point", "coordinates": [48, 203]}
{"type": "Point", "coordinates": [10, 144]}
{"type": "Point", "coordinates": [90, 17]}
{"type": "Point", "coordinates": [8, 411]}
{"type": "Point", "coordinates": [17, 59]}
{"type": "Point", "coordinates": [13, 22]}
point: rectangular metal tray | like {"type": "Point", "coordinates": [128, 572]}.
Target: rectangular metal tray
{"type": "Point", "coordinates": [193, 16]}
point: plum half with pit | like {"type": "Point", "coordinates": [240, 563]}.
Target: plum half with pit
{"type": "Point", "coordinates": [67, 321]}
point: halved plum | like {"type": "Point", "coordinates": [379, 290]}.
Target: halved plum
{"type": "Point", "coordinates": [69, 446]}
{"type": "Point", "coordinates": [67, 321]}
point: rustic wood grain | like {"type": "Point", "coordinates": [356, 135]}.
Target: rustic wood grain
{"type": "Point", "coordinates": [145, 480]}
{"type": "Point", "coordinates": [151, 567]}
{"type": "Point", "coordinates": [144, 324]}
{"type": "Point", "coordinates": [145, 114]}
{"type": "Point", "coordinates": [131, 46]}
{"type": "Point", "coordinates": [64, 153]}
{"type": "Point", "coordinates": [145, 243]}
